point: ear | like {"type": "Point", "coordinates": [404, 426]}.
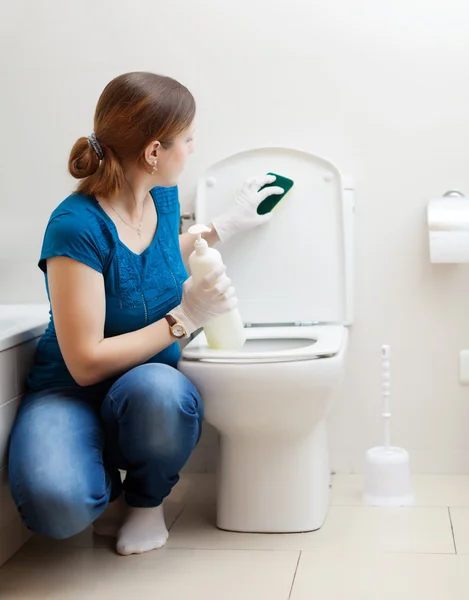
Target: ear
{"type": "Point", "coordinates": [151, 152]}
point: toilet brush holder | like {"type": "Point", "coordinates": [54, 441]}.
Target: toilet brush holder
{"type": "Point", "coordinates": [387, 477]}
{"type": "Point", "coordinates": [387, 468]}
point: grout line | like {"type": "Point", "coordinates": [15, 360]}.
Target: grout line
{"type": "Point", "coordinates": [452, 530]}
{"type": "Point", "coordinates": [178, 516]}
{"type": "Point", "coordinates": [52, 549]}
{"type": "Point", "coordinates": [294, 576]}
{"type": "Point", "coordinates": [407, 553]}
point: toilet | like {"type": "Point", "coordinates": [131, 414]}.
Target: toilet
{"type": "Point", "coordinates": [269, 401]}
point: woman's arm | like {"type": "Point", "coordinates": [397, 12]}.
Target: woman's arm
{"type": "Point", "coordinates": [78, 307]}
{"type": "Point", "coordinates": [242, 216]}
{"type": "Point", "coordinates": [186, 242]}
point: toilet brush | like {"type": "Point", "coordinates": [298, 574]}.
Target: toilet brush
{"type": "Point", "coordinates": [387, 469]}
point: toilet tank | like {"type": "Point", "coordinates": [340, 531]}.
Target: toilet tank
{"type": "Point", "coordinates": [298, 268]}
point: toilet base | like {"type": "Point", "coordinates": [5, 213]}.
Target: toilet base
{"type": "Point", "coordinates": [273, 485]}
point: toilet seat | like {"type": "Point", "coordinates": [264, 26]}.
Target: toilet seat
{"type": "Point", "coordinates": [273, 344]}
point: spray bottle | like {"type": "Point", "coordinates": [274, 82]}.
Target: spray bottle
{"type": "Point", "coordinates": [225, 332]}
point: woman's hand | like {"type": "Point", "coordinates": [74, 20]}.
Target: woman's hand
{"type": "Point", "coordinates": [243, 215]}
{"type": "Point", "coordinates": [212, 297]}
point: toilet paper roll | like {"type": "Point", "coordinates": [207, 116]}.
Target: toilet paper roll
{"type": "Point", "coordinates": [448, 230]}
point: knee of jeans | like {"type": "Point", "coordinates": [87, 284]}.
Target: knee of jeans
{"type": "Point", "coordinates": [167, 406]}
{"type": "Point", "coordinates": [161, 391]}
{"type": "Point", "coordinates": [59, 506]}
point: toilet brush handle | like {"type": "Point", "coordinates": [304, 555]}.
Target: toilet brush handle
{"type": "Point", "coordinates": [386, 392]}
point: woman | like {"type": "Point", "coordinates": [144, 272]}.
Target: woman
{"type": "Point", "coordinates": [104, 393]}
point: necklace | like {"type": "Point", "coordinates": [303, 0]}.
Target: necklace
{"type": "Point", "coordinates": [138, 229]}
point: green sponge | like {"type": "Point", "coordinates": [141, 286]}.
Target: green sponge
{"type": "Point", "coordinates": [271, 202]}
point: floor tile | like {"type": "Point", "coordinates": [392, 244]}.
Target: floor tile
{"type": "Point", "coordinates": [86, 539]}
{"type": "Point", "coordinates": [357, 576]}
{"type": "Point", "coordinates": [94, 574]}
{"type": "Point", "coordinates": [194, 488]}
{"type": "Point", "coordinates": [180, 490]}
{"type": "Point", "coordinates": [357, 528]}
{"type": "Point", "coordinates": [429, 490]}
{"type": "Point", "coordinates": [202, 489]}
{"type": "Point", "coordinates": [8, 511]}
{"type": "Point", "coordinates": [361, 553]}
{"type": "Point", "coordinates": [12, 538]}
{"type": "Point", "coordinates": [347, 490]}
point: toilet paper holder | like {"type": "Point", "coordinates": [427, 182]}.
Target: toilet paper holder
{"type": "Point", "coordinates": [453, 194]}
{"type": "Point", "coordinates": [448, 228]}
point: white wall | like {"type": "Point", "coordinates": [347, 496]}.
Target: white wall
{"type": "Point", "coordinates": [380, 88]}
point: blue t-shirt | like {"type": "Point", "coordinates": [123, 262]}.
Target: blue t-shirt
{"type": "Point", "coordinates": [140, 288]}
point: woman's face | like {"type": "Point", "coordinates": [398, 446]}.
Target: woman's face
{"type": "Point", "coordinates": [171, 161]}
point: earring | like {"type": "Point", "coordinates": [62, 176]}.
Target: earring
{"type": "Point", "coordinates": [154, 167]}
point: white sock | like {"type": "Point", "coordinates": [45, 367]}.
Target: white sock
{"type": "Point", "coordinates": [109, 523]}
{"type": "Point", "coordinates": [144, 529]}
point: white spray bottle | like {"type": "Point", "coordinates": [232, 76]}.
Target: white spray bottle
{"type": "Point", "coordinates": [225, 332]}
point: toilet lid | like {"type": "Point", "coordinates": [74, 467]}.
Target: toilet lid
{"type": "Point", "coordinates": [291, 270]}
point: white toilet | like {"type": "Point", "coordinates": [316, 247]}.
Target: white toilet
{"type": "Point", "coordinates": [269, 401]}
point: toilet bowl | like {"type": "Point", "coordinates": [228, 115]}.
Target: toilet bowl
{"type": "Point", "coordinates": [269, 401]}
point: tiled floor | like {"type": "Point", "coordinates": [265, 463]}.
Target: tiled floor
{"type": "Point", "coordinates": [360, 553]}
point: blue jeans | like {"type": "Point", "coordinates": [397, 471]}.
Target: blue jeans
{"type": "Point", "coordinates": [66, 449]}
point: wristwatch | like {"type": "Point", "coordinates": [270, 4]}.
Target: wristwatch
{"type": "Point", "coordinates": [177, 330]}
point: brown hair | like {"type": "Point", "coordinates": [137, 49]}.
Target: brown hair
{"type": "Point", "coordinates": [133, 110]}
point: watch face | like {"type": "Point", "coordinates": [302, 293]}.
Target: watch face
{"type": "Point", "coordinates": [178, 331]}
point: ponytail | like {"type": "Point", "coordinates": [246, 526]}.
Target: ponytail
{"type": "Point", "coordinates": [103, 178]}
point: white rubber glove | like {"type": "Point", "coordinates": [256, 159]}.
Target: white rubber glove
{"type": "Point", "coordinates": [243, 216]}
{"type": "Point", "coordinates": [212, 297]}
